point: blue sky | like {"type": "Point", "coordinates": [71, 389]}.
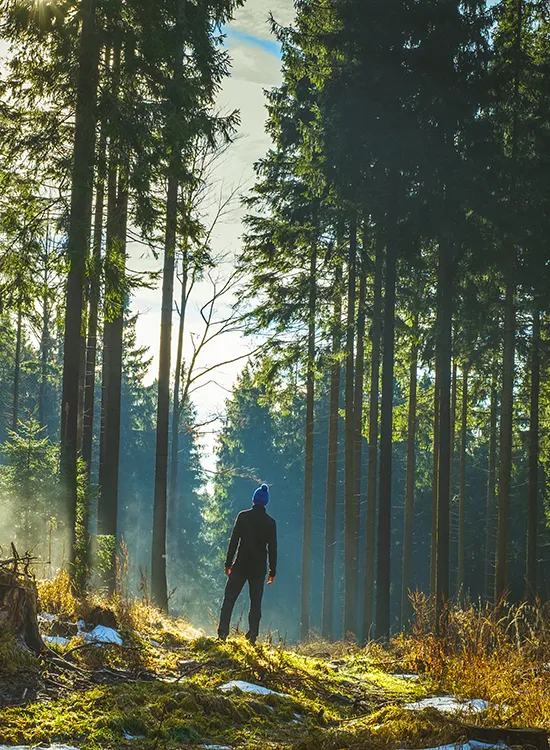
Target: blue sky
{"type": "Point", "coordinates": [236, 36]}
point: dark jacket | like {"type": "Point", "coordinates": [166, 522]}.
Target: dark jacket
{"type": "Point", "coordinates": [255, 536]}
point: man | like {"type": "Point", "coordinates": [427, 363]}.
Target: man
{"type": "Point", "coordinates": [254, 538]}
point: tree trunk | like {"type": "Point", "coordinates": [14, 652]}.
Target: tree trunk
{"type": "Point", "coordinates": [310, 434]}
{"type": "Point", "coordinates": [462, 491]}
{"type": "Point", "coordinates": [350, 530]}
{"type": "Point", "coordinates": [112, 393]}
{"type": "Point", "coordinates": [507, 407]}
{"type": "Point", "coordinates": [505, 457]}
{"type": "Point", "coordinates": [445, 319]}
{"type": "Point", "coordinates": [411, 478]}
{"type": "Point", "coordinates": [454, 401]}
{"type": "Point", "coordinates": [159, 586]}
{"type": "Point", "coordinates": [77, 250]}
{"type": "Point", "coordinates": [93, 315]}
{"type": "Point", "coordinates": [491, 488]}
{"type": "Point", "coordinates": [178, 404]}
{"type": "Point", "coordinates": [17, 371]}
{"type": "Point", "coordinates": [452, 497]}
{"type": "Point", "coordinates": [533, 497]}
{"type": "Point", "coordinates": [107, 508]}
{"type": "Point", "coordinates": [44, 359]}
{"type": "Point", "coordinates": [110, 290]}
{"type": "Point", "coordinates": [358, 402]}
{"type": "Point", "coordinates": [386, 425]}
{"type": "Point", "coordinates": [332, 464]}
{"type": "Point", "coordinates": [372, 478]}
{"type": "Point", "coordinates": [82, 379]}
{"type": "Point", "coordinates": [435, 485]}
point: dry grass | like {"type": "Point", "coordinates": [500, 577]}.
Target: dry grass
{"type": "Point", "coordinates": [57, 597]}
{"type": "Point", "coordinates": [498, 653]}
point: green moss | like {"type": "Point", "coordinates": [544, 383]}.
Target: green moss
{"type": "Point", "coordinates": [323, 703]}
{"type": "Point", "coordinates": [346, 703]}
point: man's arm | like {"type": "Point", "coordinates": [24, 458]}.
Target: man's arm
{"type": "Point", "coordinates": [233, 543]}
{"type": "Point", "coordinates": [272, 551]}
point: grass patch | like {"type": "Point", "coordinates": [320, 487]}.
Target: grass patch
{"type": "Point", "coordinates": [500, 654]}
{"type": "Point", "coordinates": [320, 699]}
{"type": "Point", "coordinates": [162, 687]}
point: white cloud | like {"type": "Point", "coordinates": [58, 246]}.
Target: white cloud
{"type": "Point", "coordinates": [253, 17]}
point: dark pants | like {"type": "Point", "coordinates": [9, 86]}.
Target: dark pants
{"type": "Point", "coordinates": [235, 584]}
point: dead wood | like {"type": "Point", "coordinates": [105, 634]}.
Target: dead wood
{"type": "Point", "coordinates": [526, 737]}
{"type": "Point", "coordinates": [19, 602]}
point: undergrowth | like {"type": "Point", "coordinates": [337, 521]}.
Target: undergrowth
{"type": "Point", "coordinates": [161, 689]}
{"type": "Point", "coordinates": [57, 597]}
{"type": "Point", "coordinates": [498, 653]}
{"type": "Point", "coordinates": [318, 704]}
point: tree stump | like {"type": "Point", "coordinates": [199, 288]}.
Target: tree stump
{"type": "Point", "coordinates": [19, 602]}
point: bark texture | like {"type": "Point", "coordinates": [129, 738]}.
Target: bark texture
{"type": "Point", "coordinates": [489, 585]}
{"type": "Point", "coordinates": [462, 490]}
{"type": "Point", "coordinates": [332, 464]}
{"type": "Point", "coordinates": [350, 530]}
{"type": "Point", "coordinates": [444, 355]}
{"type": "Point", "coordinates": [534, 448]}
{"type": "Point", "coordinates": [372, 478]}
{"type": "Point", "coordinates": [505, 455]}
{"type": "Point", "coordinates": [386, 424]}
{"type": "Point", "coordinates": [159, 584]}
{"type": "Point", "coordinates": [19, 603]}
{"type": "Point", "coordinates": [78, 242]}
{"type": "Point", "coordinates": [410, 480]}
{"type": "Point", "coordinates": [310, 434]}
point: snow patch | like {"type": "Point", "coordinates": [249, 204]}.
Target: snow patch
{"type": "Point", "coordinates": [408, 677]}
{"type": "Point", "coordinates": [448, 704]}
{"type": "Point", "coordinates": [102, 634]}
{"type": "Point", "coordinates": [55, 640]}
{"type": "Point", "coordinates": [46, 617]}
{"type": "Point", "coordinates": [248, 687]}
{"type": "Point", "coordinates": [27, 747]}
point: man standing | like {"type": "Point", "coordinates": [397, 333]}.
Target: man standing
{"type": "Point", "coordinates": [254, 538]}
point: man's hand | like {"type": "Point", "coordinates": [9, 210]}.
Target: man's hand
{"type": "Point", "coordinates": [228, 572]}
{"type": "Point", "coordinates": [270, 580]}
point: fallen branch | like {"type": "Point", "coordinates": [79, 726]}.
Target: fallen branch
{"type": "Point", "coordinates": [525, 737]}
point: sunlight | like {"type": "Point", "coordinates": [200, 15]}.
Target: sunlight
{"type": "Point", "coordinates": [45, 11]}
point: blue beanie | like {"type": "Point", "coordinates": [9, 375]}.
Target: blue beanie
{"type": "Point", "coordinates": [261, 496]}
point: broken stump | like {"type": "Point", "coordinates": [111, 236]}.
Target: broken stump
{"type": "Point", "coordinates": [19, 602]}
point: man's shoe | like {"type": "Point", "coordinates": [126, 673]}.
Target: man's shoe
{"type": "Point", "coordinates": [251, 639]}
{"type": "Point", "coordinates": [222, 637]}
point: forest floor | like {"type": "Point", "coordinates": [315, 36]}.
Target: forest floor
{"type": "Point", "coordinates": [163, 687]}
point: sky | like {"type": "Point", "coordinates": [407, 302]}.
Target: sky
{"type": "Point", "coordinates": [256, 66]}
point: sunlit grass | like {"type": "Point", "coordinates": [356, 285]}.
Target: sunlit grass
{"type": "Point", "coordinates": [333, 695]}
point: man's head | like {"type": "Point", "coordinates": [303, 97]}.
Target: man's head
{"type": "Point", "coordinates": [261, 496]}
